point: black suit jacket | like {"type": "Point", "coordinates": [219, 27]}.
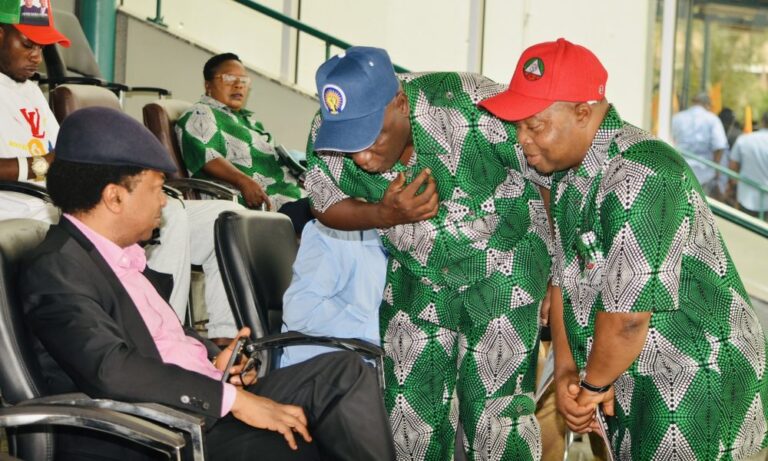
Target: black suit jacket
{"type": "Point", "coordinates": [90, 336]}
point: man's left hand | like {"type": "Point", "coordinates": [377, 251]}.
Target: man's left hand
{"type": "Point", "coordinates": [591, 399]}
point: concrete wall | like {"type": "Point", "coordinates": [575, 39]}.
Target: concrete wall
{"type": "Point", "coordinates": [151, 56]}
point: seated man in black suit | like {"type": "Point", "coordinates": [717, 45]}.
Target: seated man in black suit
{"type": "Point", "coordinates": [105, 329]}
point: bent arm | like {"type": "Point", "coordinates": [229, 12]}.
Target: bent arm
{"type": "Point", "coordinates": [223, 170]}
{"type": "Point", "coordinates": [401, 204]}
{"type": "Point", "coordinates": [352, 214]}
{"type": "Point", "coordinates": [564, 363]}
{"type": "Point", "coordinates": [618, 340]}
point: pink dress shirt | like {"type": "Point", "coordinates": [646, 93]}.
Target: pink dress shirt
{"type": "Point", "coordinates": [172, 342]}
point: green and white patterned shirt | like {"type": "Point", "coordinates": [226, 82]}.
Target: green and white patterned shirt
{"type": "Point", "coordinates": [490, 218]}
{"type": "Point", "coordinates": [634, 233]}
{"type": "Point", "coordinates": [211, 130]}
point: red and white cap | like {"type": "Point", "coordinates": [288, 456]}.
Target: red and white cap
{"type": "Point", "coordinates": [546, 73]}
{"type": "Point", "coordinates": [38, 26]}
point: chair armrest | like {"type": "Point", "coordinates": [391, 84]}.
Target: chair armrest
{"type": "Point", "coordinates": [191, 424]}
{"type": "Point", "coordinates": [295, 338]}
{"type": "Point", "coordinates": [125, 426]}
{"type": "Point", "coordinates": [56, 81]}
{"type": "Point", "coordinates": [293, 165]}
{"type": "Point", "coordinates": [149, 89]}
{"type": "Point", "coordinates": [219, 191]}
{"type": "Point", "coordinates": [26, 188]}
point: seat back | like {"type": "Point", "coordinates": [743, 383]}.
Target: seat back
{"type": "Point", "coordinates": [20, 377]}
{"type": "Point", "coordinates": [256, 251]}
{"type": "Point", "coordinates": [78, 59]}
{"type": "Point", "coordinates": [68, 98]}
{"type": "Point", "coordinates": [160, 118]}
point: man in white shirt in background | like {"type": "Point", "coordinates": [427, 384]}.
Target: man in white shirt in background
{"type": "Point", "coordinates": [698, 131]}
{"type": "Point", "coordinates": [749, 157]}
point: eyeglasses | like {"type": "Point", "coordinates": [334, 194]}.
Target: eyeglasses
{"type": "Point", "coordinates": [229, 79]}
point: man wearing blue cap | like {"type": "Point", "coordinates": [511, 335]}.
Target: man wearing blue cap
{"type": "Point", "coordinates": [468, 244]}
{"type": "Point", "coordinates": [105, 327]}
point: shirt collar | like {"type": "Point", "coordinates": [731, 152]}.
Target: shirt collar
{"type": "Point", "coordinates": [121, 260]}
{"type": "Point", "coordinates": [11, 83]}
{"type": "Point", "coordinates": [599, 151]}
{"type": "Point", "coordinates": [216, 104]}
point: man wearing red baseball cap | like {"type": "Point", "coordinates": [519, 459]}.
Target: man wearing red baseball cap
{"type": "Point", "coordinates": [28, 128]}
{"type": "Point", "coordinates": [650, 320]}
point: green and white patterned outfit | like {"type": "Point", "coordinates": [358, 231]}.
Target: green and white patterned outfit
{"type": "Point", "coordinates": [633, 233]}
{"type": "Point", "coordinates": [463, 288]}
{"type": "Point", "coordinates": [211, 130]}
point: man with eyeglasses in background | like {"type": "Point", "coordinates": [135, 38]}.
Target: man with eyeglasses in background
{"type": "Point", "coordinates": [220, 139]}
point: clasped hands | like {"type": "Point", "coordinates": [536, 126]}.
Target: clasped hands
{"type": "Point", "coordinates": [578, 405]}
{"type": "Point", "coordinates": [261, 412]}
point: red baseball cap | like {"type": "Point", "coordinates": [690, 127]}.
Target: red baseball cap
{"type": "Point", "coordinates": [546, 73]}
{"type": "Point", "coordinates": [37, 25]}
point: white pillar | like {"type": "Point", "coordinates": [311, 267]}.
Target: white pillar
{"type": "Point", "coordinates": [666, 78]}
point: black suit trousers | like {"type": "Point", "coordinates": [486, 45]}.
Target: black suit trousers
{"type": "Point", "coordinates": [343, 404]}
{"type": "Point", "coordinates": [340, 397]}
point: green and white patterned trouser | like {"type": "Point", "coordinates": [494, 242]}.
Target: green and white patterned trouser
{"type": "Point", "coordinates": [488, 362]}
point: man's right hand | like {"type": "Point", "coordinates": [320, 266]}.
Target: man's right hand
{"type": "Point", "coordinates": [263, 413]}
{"type": "Point", "coordinates": [253, 194]}
{"type": "Point", "coordinates": [567, 389]}
{"type": "Point", "coordinates": [403, 204]}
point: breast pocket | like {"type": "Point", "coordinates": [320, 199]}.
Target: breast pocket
{"type": "Point", "coordinates": [592, 265]}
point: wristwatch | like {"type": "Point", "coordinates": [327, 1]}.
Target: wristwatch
{"type": "Point", "coordinates": [39, 168]}
{"type": "Point", "coordinates": [591, 387]}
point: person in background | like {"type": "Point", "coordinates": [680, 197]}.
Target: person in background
{"type": "Point", "coordinates": [749, 158]}
{"type": "Point", "coordinates": [28, 128]}
{"type": "Point", "coordinates": [221, 140]}
{"type": "Point", "coordinates": [650, 320]}
{"type": "Point", "coordinates": [698, 131]}
{"type": "Point", "coordinates": [733, 130]}
{"type": "Point", "coordinates": [338, 282]}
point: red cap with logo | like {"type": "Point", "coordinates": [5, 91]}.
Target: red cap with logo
{"type": "Point", "coordinates": [36, 23]}
{"type": "Point", "coordinates": [546, 73]}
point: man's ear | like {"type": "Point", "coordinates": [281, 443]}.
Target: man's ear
{"type": "Point", "coordinates": [112, 198]}
{"type": "Point", "coordinates": [583, 112]}
{"type": "Point", "coordinates": [402, 105]}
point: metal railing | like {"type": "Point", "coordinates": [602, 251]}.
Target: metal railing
{"type": "Point", "coordinates": [329, 40]}
{"type": "Point", "coordinates": [728, 213]}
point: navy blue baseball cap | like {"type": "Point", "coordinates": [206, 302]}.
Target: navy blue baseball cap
{"type": "Point", "coordinates": [354, 89]}
{"type": "Point", "coordinates": [102, 136]}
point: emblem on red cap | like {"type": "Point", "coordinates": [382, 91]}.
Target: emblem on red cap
{"type": "Point", "coordinates": [533, 69]}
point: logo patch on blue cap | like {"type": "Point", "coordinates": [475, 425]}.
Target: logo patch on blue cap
{"type": "Point", "coordinates": [334, 99]}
